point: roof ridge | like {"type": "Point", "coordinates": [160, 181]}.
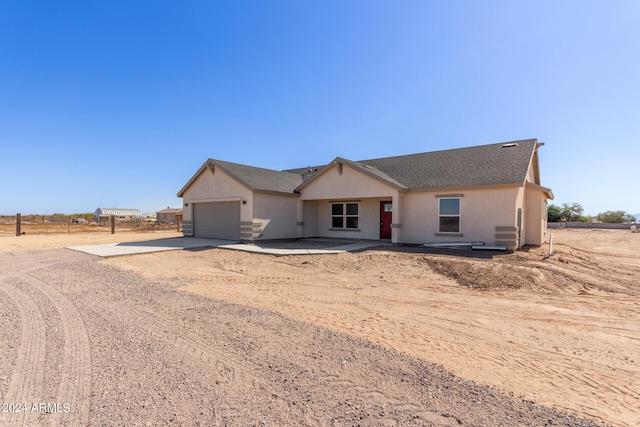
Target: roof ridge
{"type": "Point", "coordinates": [244, 165]}
{"type": "Point", "coordinates": [485, 164]}
{"type": "Point", "coordinates": [446, 150]}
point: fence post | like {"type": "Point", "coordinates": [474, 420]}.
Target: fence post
{"type": "Point", "coordinates": [18, 221]}
{"type": "Point", "coordinates": [113, 224]}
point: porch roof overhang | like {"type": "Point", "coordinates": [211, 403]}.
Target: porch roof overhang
{"type": "Point", "coordinates": [545, 190]}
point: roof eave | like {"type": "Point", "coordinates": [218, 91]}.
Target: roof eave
{"type": "Point", "coordinates": [213, 164]}
{"type": "Point", "coordinates": [193, 178]}
{"type": "Point", "coordinates": [535, 162]}
{"type": "Point", "coordinates": [277, 193]}
{"type": "Point", "coordinates": [465, 187]}
{"type": "Point", "coordinates": [545, 190]}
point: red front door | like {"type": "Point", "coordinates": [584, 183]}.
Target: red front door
{"type": "Point", "coordinates": [386, 209]}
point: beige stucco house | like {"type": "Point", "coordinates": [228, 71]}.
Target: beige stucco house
{"type": "Point", "coordinates": [489, 193]}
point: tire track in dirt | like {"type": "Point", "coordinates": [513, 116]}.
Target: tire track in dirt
{"type": "Point", "coordinates": [352, 388]}
{"type": "Point", "coordinates": [27, 380]}
{"type": "Point", "coordinates": [75, 385]}
{"type": "Point", "coordinates": [9, 266]}
{"type": "Point", "coordinates": [10, 334]}
{"type": "Point", "coordinates": [526, 357]}
{"type": "Point", "coordinates": [11, 262]}
{"type": "Point", "coordinates": [523, 357]}
{"type": "Point", "coordinates": [599, 254]}
{"type": "Point", "coordinates": [592, 275]}
{"type": "Point", "coordinates": [250, 375]}
{"type": "Point", "coordinates": [227, 371]}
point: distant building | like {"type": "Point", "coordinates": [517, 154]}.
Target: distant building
{"type": "Point", "coordinates": [168, 215]}
{"type": "Point", "coordinates": [122, 215]}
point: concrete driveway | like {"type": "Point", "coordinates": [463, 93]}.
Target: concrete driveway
{"type": "Point", "coordinates": [299, 247]}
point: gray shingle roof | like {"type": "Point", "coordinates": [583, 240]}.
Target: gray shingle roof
{"type": "Point", "coordinates": [502, 163]}
{"type": "Point", "coordinates": [375, 172]}
{"type": "Point", "coordinates": [260, 178]}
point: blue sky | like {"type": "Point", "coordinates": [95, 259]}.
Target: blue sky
{"type": "Point", "coordinates": [109, 103]}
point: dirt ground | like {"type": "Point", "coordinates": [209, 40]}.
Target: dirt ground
{"type": "Point", "coordinates": [561, 331]}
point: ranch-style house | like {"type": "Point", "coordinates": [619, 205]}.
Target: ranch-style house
{"type": "Point", "coordinates": [487, 193]}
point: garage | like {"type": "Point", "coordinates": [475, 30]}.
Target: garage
{"type": "Point", "coordinates": [217, 220]}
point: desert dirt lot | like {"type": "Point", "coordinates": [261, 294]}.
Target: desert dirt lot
{"type": "Point", "coordinates": [218, 337]}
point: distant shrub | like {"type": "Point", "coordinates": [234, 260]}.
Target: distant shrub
{"type": "Point", "coordinates": [616, 217]}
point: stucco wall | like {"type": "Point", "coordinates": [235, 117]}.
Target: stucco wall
{"type": "Point", "coordinates": [535, 217]}
{"type": "Point", "coordinates": [348, 186]}
{"type": "Point", "coordinates": [351, 184]}
{"type": "Point", "coordinates": [520, 219]}
{"type": "Point", "coordinates": [310, 218]}
{"type": "Point", "coordinates": [281, 211]}
{"type": "Point", "coordinates": [368, 220]}
{"type": "Point", "coordinates": [480, 212]}
{"type": "Point", "coordinates": [218, 186]}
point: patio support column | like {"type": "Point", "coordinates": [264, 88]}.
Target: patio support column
{"type": "Point", "coordinates": [300, 218]}
{"type": "Point", "coordinates": [396, 218]}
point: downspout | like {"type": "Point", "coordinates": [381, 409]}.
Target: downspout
{"type": "Point", "coordinates": [520, 220]}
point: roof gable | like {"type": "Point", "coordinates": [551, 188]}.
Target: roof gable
{"type": "Point", "coordinates": [338, 162]}
{"type": "Point", "coordinates": [260, 179]}
{"type": "Point", "coordinates": [255, 179]}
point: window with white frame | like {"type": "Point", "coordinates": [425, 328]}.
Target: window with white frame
{"type": "Point", "coordinates": [449, 215]}
{"type": "Point", "coordinates": [344, 215]}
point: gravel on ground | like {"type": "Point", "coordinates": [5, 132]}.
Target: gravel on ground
{"type": "Point", "coordinates": [85, 343]}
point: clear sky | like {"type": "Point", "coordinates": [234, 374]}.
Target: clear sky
{"type": "Point", "coordinates": [118, 103]}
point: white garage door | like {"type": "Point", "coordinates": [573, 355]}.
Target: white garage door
{"type": "Point", "coordinates": [217, 220]}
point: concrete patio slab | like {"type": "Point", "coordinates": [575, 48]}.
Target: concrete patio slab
{"type": "Point", "coordinates": [268, 249]}
{"type": "Point", "coordinates": [148, 246]}
{"type": "Point", "coordinates": [300, 247]}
